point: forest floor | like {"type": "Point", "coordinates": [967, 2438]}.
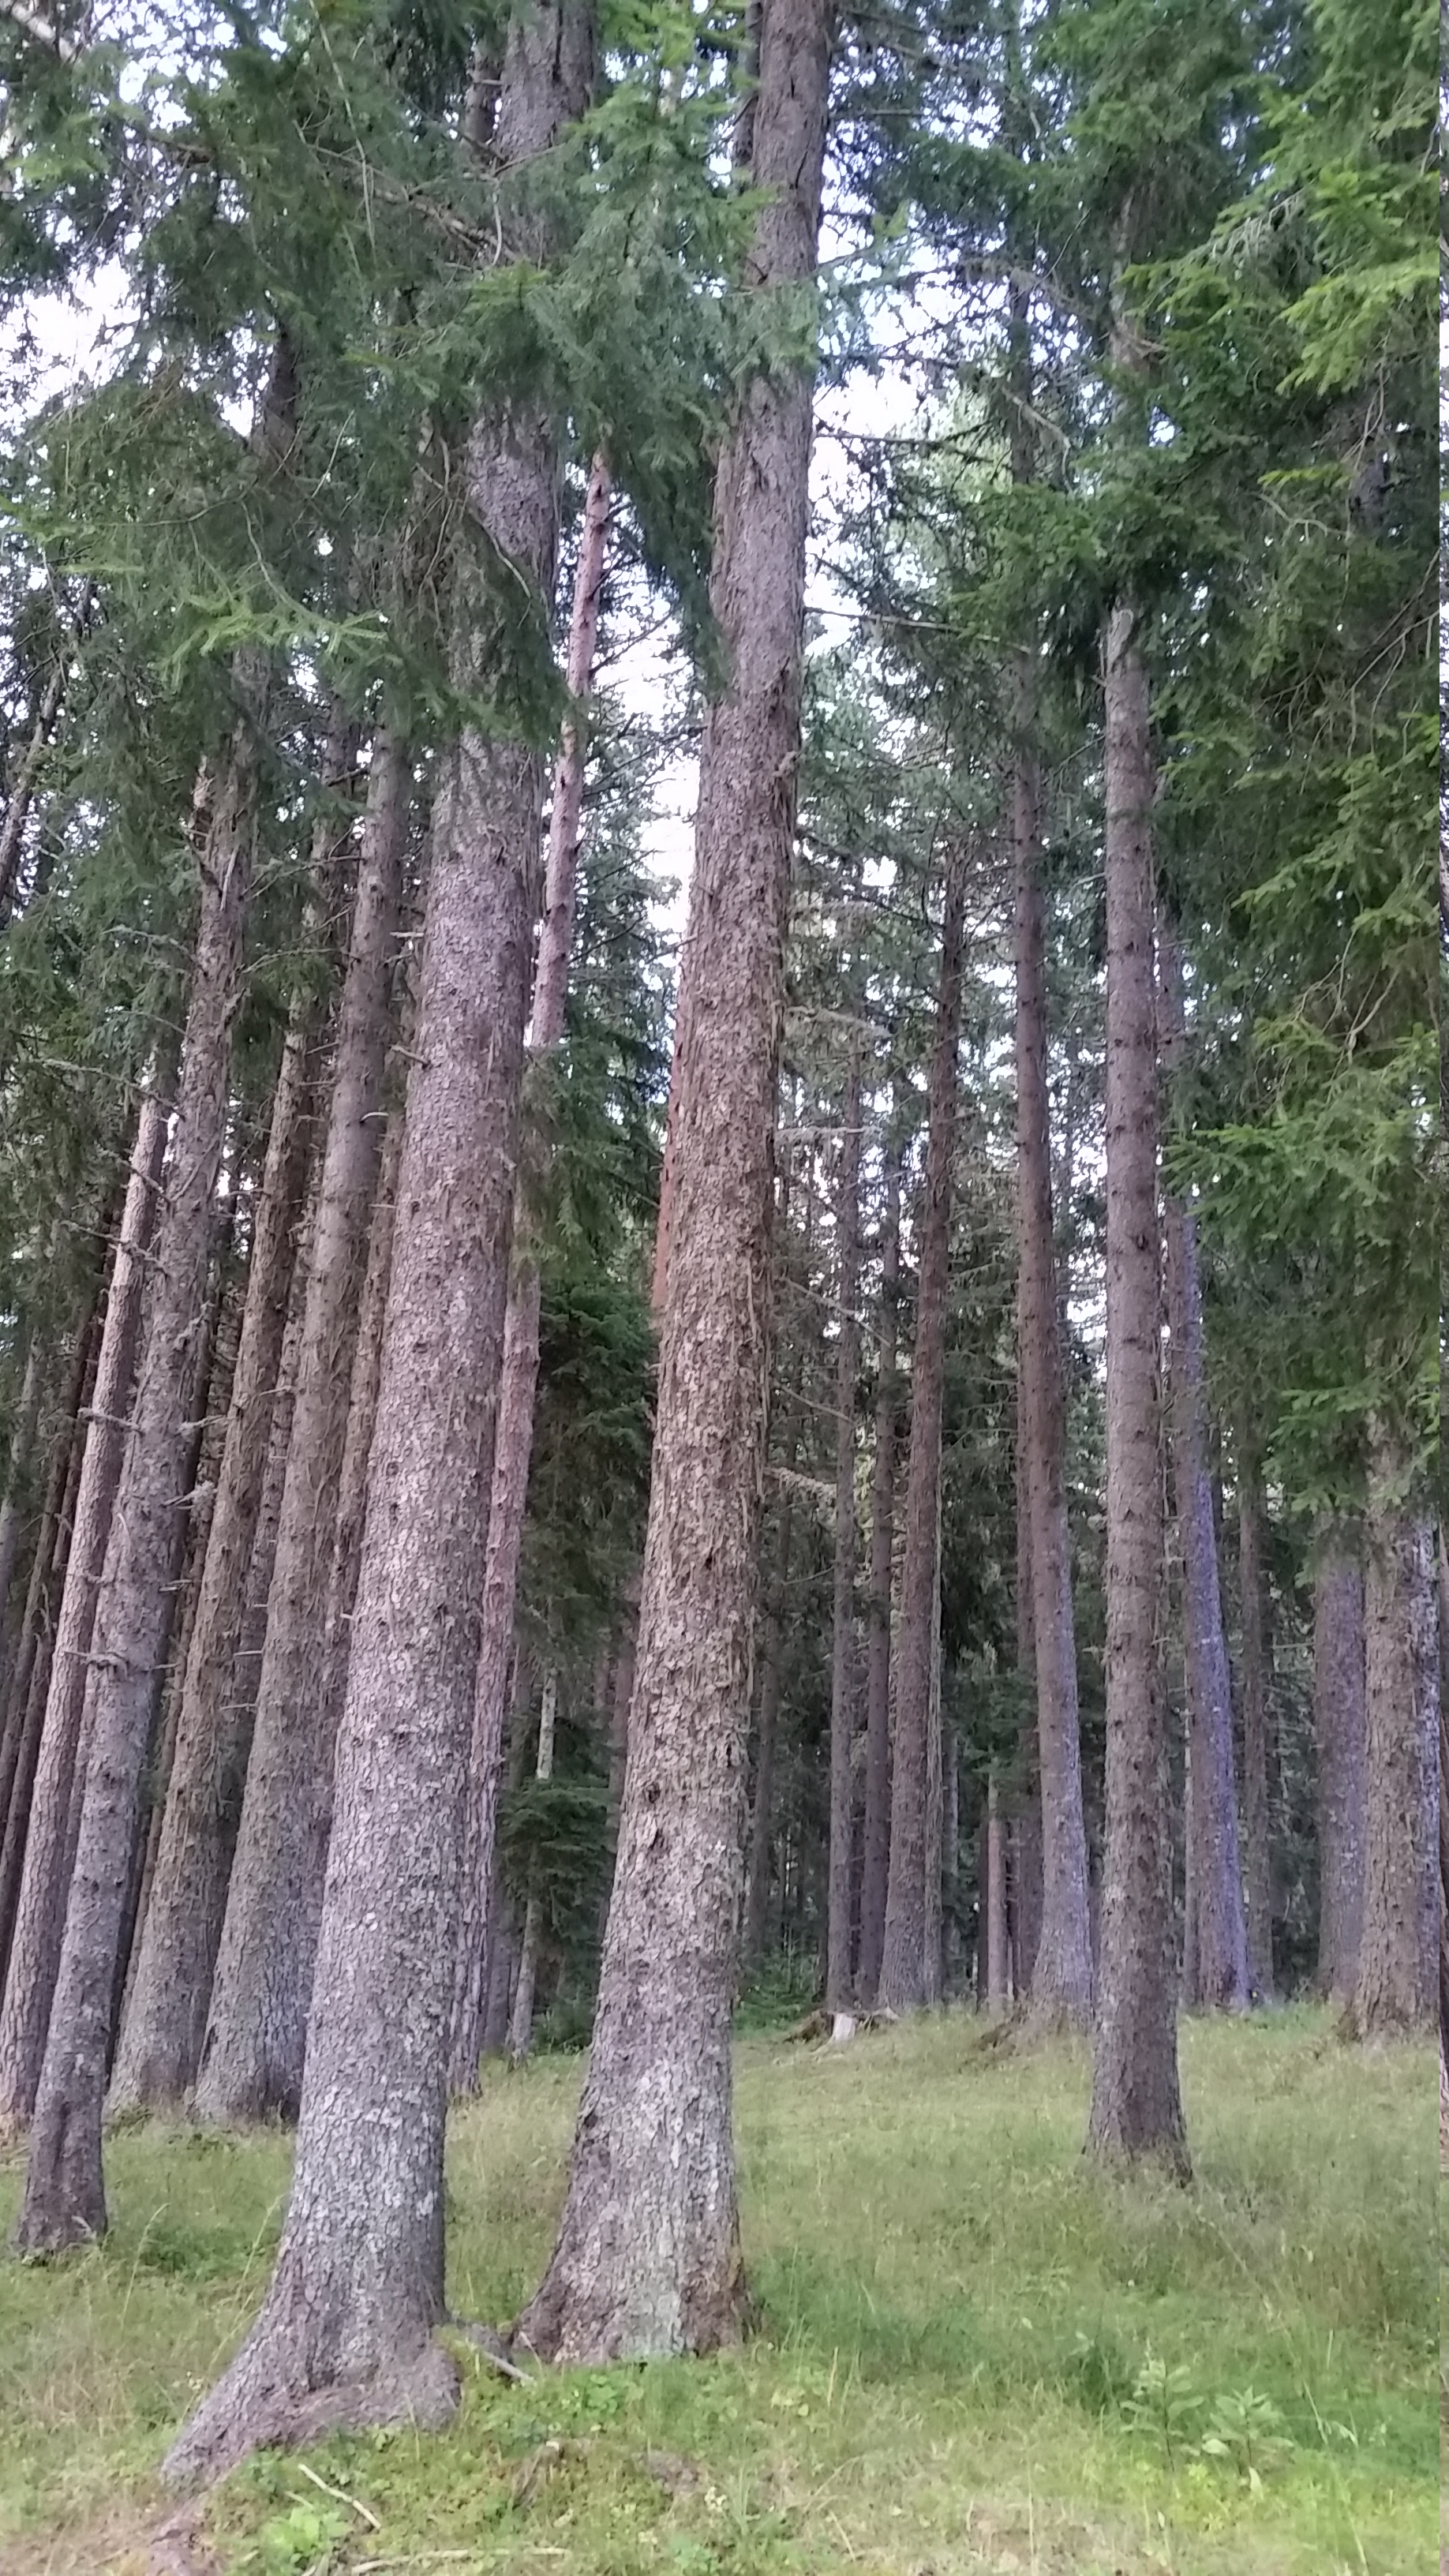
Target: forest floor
{"type": "Point", "coordinates": [976, 2353]}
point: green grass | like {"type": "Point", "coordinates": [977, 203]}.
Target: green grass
{"type": "Point", "coordinates": [976, 2352]}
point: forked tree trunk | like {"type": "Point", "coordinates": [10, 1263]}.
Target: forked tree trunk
{"type": "Point", "coordinates": [514, 1448]}
{"type": "Point", "coordinates": [1061, 1986]}
{"type": "Point", "coordinates": [648, 2257]}
{"type": "Point", "coordinates": [876, 1831]}
{"type": "Point", "coordinates": [910, 1961]}
{"type": "Point", "coordinates": [1396, 1985]}
{"type": "Point", "coordinates": [1257, 1723]}
{"type": "Point", "coordinates": [839, 1987]}
{"type": "Point", "coordinates": [166, 2010]}
{"type": "Point", "coordinates": [64, 2192]}
{"type": "Point", "coordinates": [1339, 1734]}
{"type": "Point", "coordinates": [520, 2026]}
{"type": "Point", "coordinates": [1220, 1952]}
{"type": "Point", "coordinates": [250, 2060]}
{"type": "Point", "coordinates": [1136, 2101]}
{"type": "Point", "coordinates": [345, 2334]}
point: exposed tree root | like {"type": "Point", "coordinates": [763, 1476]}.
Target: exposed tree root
{"type": "Point", "coordinates": [259, 2405]}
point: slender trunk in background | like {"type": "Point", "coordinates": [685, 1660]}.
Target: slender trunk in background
{"type": "Point", "coordinates": [760, 1840]}
{"type": "Point", "coordinates": [40, 1919]}
{"type": "Point", "coordinates": [1136, 2101]}
{"type": "Point", "coordinates": [998, 1955]}
{"type": "Point", "coordinates": [839, 1990]}
{"type": "Point", "coordinates": [876, 1833]}
{"type": "Point", "coordinates": [1220, 1931]}
{"type": "Point", "coordinates": [1257, 1722]}
{"type": "Point", "coordinates": [910, 1967]}
{"type": "Point", "coordinates": [520, 2027]}
{"type": "Point", "coordinates": [166, 2011]}
{"type": "Point", "coordinates": [1061, 1988]}
{"type": "Point", "coordinates": [1443, 1603]}
{"type": "Point", "coordinates": [346, 2331]}
{"type": "Point", "coordinates": [514, 1446]}
{"type": "Point", "coordinates": [648, 2255]}
{"type": "Point", "coordinates": [250, 2060]}
{"type": "Point", "coordinates": [620, 1696]}
{"type": "Point", "coordinates": [1395, 1987]}
{"type": "Point", "coordinates": [13, 1510]}
{"type": "Point", "coordinates": [22, 794]}
{"type": "Point", "coordinates": [1338, 1728]}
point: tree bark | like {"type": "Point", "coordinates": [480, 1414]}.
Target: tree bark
{"type": "Point", "coordinates": [520, 2027]}
{"type": "Point", "coordinates": [14, 1507]}
{"type": "Point", "coordinates": [876, 1833]}
{"type": "Point", "coordinates": [1061, 1988]}
{"type": "Point", "coordinates": [839, 1985]}
{"type": "Point", "coordinates": [514, 1447]}
{"type": "Point", "coordinates": [253, 2030]}
{"type": "Point", "coordinates": [361, 1422]}
{"type": "Point", "coordinates": [1339, 1734]}
{"type": "Point", "coordinates": [648, 2259]}
{"type": "Point", "coordinates": [1396, 1984]}
{"type": "Point", "coordinates": [910, 1962]}
{"type": "Point", "coordinates": [1220, 1932]}
{"type": "Point", "coordinates": [166, 2012]}
{"type": "Point", "coordinates": [345, 2334]}
{"type": "Point", "coordinates": [1136, 2102]}
{"type": "Point", "coordinates": [64, 2191]}
{"type": "Point", "coordinates": [1257, 1723]}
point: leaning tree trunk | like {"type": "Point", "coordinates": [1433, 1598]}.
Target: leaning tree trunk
{"type": "Point", "coordinates": [910, 1962]}
{"type": "Point", "coordinates": [647, 2259]}
{"type": "Point", "coordinates": [1257, 1722]}
{"type": "Point", "coordinates": [1136, 2102]}
{"type": "Point", "coordinates": [839, 1990]}
{"type": "Point", "coordinates": [166, 2011]}
{"type": "Point", "coordinates": [514, 1447]}
{"type": "Point", "coordinates": [250, 2060]}
{"type": "Point", "coordinates": [65, 2193]}
{"type": "Point", "coordinates": [1394, 1992]}
{"type": "Point", "coordinates": [876, 1830]}
{"type": "Point", "coordinates": [1339, 1735]}
{"type": "Point", "coordinates": [345, 2334]}
{"type": "Point", "coordinates": [1220, 1953]}
{"type": "Point", "coordinates": [1061, 1984]}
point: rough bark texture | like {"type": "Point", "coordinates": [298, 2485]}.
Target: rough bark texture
{"type": "Point", "coordinates": [64, 2191]}
{"type": "Point", "coordinates": [1220, 1953]}
{"type": "Point", "coordinates": [910, 1961]}
{"type": "Point", "coordinates": [647, 2259]}
{"type": "Point", "coordinates": [166, 2011]}
{"type": "Point", "coordinates": [1061, 1986]}
{"type": "Point", "coordinates": [361, 1423]}
{"type": "Point", "coordinates": [1339, 1734]}
{"type": "Point", "coordinates": [1136, 2101]}
{"type": "Point", "coordinates": [839, 1987]}
{"type": "Point", "coordinates": [876, 1831]}
{"type": "Point", "coordinates": [514, 1446]}
{"type": "Point", "coordinates": [250, 2060]}
{"type": "Point", "coordinates": [346, 2331]}
{"type": "Point", "coordinates": [1396, 1985]}
{"type": "Point", "coordinates": [1257, 1723]}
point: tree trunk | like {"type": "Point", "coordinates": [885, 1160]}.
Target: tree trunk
{"type": "Point", "coordinates": [839, 1989]}
{"type": "Point", "coordinates": [520, 2028]}
{"type": "Point", "coordinates": [166, 2013]}
{"type": "Point", "coordinates": [767, 1715]}
{"type": "Point", "coordinates": [253, 2031]}
{"type": "Point", "coordinates": [876, 1834]}
{"type": "Point", "coordinates": [17, 1498]}
{"type": "Point", "coordinates": [1257, 1724]}
{"type": "Point", "coordinates": [998, 1955]}
{"type": "Point", "coordinates": [648, 2259]}
{"type": "Point", "coordinates": [910, 1964]}
{"type": "Point", "coordinates": [361, 1422]}
{"type": "Point", "coordinates": [1061, 1989]}
{"type": "Point", "coordinates": [1338, 1727]}
{"type": "Point", "coordinates": [1396, 1984]}
{"type": "Point", "coordinates": [64, 2192]}
{"type": "Point", "coordinates": [514, 1446]}
{"type": "Point", "coordinates": [1136, 2102]}
{"type": "Point", "coordinates": [1220, 1935]}
{"type": "Point", "coordinates": [345, 2334]}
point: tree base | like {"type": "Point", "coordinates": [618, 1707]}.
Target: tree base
{"type": "Point", "coordinates": [258, 2405]}
{"type": "Point", "coordinates": [587, 2322]}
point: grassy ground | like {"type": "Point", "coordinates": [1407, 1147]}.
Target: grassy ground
{"type": "Point", "coordinates": [976, 2353]}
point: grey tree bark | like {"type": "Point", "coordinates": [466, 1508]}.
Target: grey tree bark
{"type": "Point", "coordinates": [1339, 1720]}
{"type": "Point", "coordinates": [1136, 2102]}
{"type": "Point", "coordinates": [1257, 1720]}
{"type": "Point", "coordinates": [839, 1983]}
{"type": "Point", "coordinates": [1396, 1983]}
{"type": "Point", "coordinates": [647, 2259]}
{"type": "Point", "coordinates": [13, 1508]}
{"type": "Point", "coordinates": [910, 1960]}
{"type": "Point", "coordinates": [876, 1830]}
{"type": "Point", "coordinates": [346, 2332]}
{"type": "Point", "coordinates": [998, 1951]}
{"type": "Point", "coordinates": [520, 2026]}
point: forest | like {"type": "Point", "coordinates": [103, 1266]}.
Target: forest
{"type": "Point", "coordinates": [723, 1589]}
